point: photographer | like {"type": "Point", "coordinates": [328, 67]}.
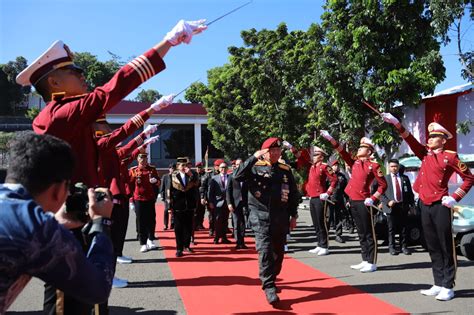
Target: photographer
{"type": "Point", "coordinates": [33, 243]}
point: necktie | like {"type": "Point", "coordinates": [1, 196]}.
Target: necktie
{"type": "Point", "coordinates": [398, 191]}
{"type": "Point", "coordinates": [223, 180]}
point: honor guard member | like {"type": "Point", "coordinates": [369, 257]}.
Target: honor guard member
{"type": "Point", "coordinates": [364, 170]}
{"type": "Point", "coordinates": [183, 200]}
{"type": "Point", "coordinates": [144, 182]}
{"type": "Point", "coordinates": [272, 200]}
{"type": "Point", "coordinates": [431, 184]}
{"type": "Point", "coordinates": [164, 189]}
{"type": "Point", "coordinates": [72, 109]}
{"type": "Point", "coordinates": [319, 173]}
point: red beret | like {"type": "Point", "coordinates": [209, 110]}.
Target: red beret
{"type": "Point", "coordinates": [218, 162]}
{"type": "Point", "coordinates": [335, 162]}
{"type": "Point", "coordinates": [198, 164]}
{"type": "Point", "coordinates": [271, 143]}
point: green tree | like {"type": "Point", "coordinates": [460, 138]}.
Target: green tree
{"type": "Point", "coordinates": [96, 72]}
{"type": "Point", "coordinates": [148, 96]}
{"type": "Point", "coordinates": [262, 91]}
{"type": "Point", "coordinates": [448, 15]}
{"type": "Point", "coordinates": [382, 51]}
{"type": "Point", "coordinates": [11, 94]}
{"type": "Point", "coordinates": [31, 113]}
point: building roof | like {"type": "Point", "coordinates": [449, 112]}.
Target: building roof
{"type": "Point", "coordinates": [131, 108]}
{"type": "Point", "coordinates": [460, 89]}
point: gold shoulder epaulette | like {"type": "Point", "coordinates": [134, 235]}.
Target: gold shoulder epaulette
{"type": "Point", "coordinates": [286, 167]}
{"type": "Point", "coordinates": [262, 163]}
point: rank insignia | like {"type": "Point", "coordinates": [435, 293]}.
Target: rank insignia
{"type": "Point", "coordinates": [285, 178]}
{"type": "Point", "coordinates": [462, 166]}
{"type": "Point", "coordinates": [258, 194]}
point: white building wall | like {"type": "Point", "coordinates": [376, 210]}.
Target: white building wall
{"type": "Point", "coordinates": [465, 112]}
{"type": "Point", "coordinates": [414, 121]}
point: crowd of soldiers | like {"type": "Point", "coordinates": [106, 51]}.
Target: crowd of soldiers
{"type": "Point", "coordinates": [260, 193]}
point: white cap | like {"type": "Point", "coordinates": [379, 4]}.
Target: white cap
{"type": "Point", "coordinates": [55, 57]}
{"type": "Point", "coordinates": [436, 129]}
{"type": "Point", "coordinates": [367, 143]}
{"type": "Point", "coordinates": [318, 149]}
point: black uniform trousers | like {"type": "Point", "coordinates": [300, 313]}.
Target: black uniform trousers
{"type": "Point", "coordinates": [318, 209]}
{"type": "Point", "coordinates": [146, 219]}
{"type": "Point", "coordinates": [118, 231]}
{"type": "Point", "coordinates": [221, 216]}
{"type": "Point", "coordinates": [364, 224]}
{"type": "Point", "coordinates": [166, 216]}
{"type": "Point", "coordinates": [238, 220]}
{"type": "Point", "coordinates": [338, 208]}
{"type": "Point", "coordinates": [270, 245]}
{"type": "Point", "coordinates": [436, 220]}
{"type": "Point", "coordinates": [199, 216]}
{"type": "Point", "coordinates": [397, 222]}
{"type": "Point", "coordinates": [211, 217]}
{"type": "Point", "coordinates": [183, 228]}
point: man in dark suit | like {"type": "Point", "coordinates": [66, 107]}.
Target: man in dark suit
{"type": "Point", "coordinates": [165, 187]}
{"type": "Point", "coordinates": [183, 200]}
{"type": "Point", "coordinates": [396, 201]}
{"type": "Point", "coordinates": [218, 203]}
{"type": "Point", "coordinates": [237, 203]}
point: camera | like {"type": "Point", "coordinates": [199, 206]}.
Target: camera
{"type": "Point", "coordinates": [77, 203]}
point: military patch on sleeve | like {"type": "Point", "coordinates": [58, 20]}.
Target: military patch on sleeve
{"type": "Point", "coordinates": [462, 166]}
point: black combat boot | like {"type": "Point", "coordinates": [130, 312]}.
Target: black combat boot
{"type": "Point", "coordinates": [271, 295]}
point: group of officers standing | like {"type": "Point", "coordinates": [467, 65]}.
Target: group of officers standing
{"type": "Point", "coordinates": [76, 115]}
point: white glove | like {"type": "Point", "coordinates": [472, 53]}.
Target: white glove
{"type": "Point", "coordinates": [151, 140]}
{"type": "Point", "coordinates": [184, 31]}
{"type": "Point", "coordinates": [448, 201]}
{"type": "Point", "coordinates": [324, 196]}
{"type": "Point", "coordinates": [326, 135]}
{"type": "Point", "coordinates": [153, 180]}
{"type": "Point", "coordinates": [288, 145]}
{"type": "Point", "coordinates": [389, 118]}
{"type": "Point", "coordinates": [163, 102]}
{"type": "Point", "coordinates": [150, 129]}
{"type": "Point", "coordinates": [368, 202]}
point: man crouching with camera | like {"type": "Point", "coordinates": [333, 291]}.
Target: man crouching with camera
{"type": "Point", "coordinates": [35, 240]}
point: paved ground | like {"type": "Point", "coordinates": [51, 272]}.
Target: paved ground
{"type": "Point", "coordinates": [152, 289]}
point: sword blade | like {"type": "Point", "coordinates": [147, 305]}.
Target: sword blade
{"type": "Point", "coordinates": [371, 107]}
{"type": "Point", "coordinates": [232, 11]}
{"type": "Point", "coordinates": [187, 87]}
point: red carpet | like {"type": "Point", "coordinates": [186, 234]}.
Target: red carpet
{"type": "Point", "coordinates": [217, 279]}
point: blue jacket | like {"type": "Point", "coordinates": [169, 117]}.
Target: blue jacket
{"type": "Point", "coordinates": [34, 244]}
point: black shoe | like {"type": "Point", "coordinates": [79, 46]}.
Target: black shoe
{"type": "Point", "coordinates": [226, 241]}
{"type": "Point", "coordinates": [243, 246]}
{"type": "Point", "coordinates": [165, 228]}
{"type": "Point", "coordinates": [393, 252]}
{"type": "Point", "coordinates": [189, 250]}
{"type": "Point", "coordinates": [179, 253]}
{"type": "Point", "coordinates": [339, 239]}
{"type": "Point", "coordinates": [201, 227]}
{"type": "Point", "coordinates": [211, 233]}
{"type": "Point", "coordinates": [278, 290]}
{"type": "Point", "coordinates": [406, 251]}
{"type": "Point", "coordinates": [272, 297]}
{"type": "Point", "coordinates": [216, 241]}
{"type": "Point", "coordinates": [172, 226]}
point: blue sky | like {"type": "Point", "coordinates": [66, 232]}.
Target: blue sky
{"type": "Point", "coordinates": [129, 27]}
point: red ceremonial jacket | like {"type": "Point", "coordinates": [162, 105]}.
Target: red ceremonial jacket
{"type": "Point", "coordinates": [140, 184]}
{"type": "Point", "coordinates": [318, 175]}
{"type": "Point", "coordinates": [71, 118]}
{"type": "Point", "coordinates": [363, 174]}
{"type": "Point", "coordinates": [436, 168]}
{"type": "Point", "coordinates": [109, 155]}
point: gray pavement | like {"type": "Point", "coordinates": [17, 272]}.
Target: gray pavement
{"type": "Point", "coordinates": [152, 289]}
